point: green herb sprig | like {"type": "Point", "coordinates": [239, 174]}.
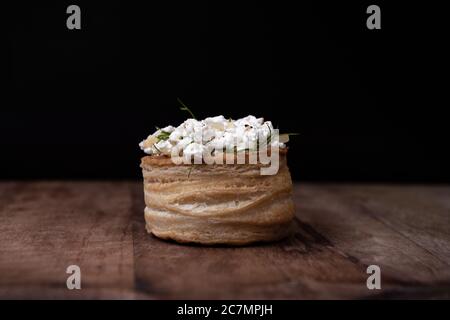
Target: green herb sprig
{"type": "Point", "coordinates": [185, 108]}
{"type": "Point", "coordinates": [164, 135]}
{"type": "Point", "coordinates": [269, 138]}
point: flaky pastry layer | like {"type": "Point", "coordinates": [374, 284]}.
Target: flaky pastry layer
{"type": "Point", "coordinates": [216, 204]}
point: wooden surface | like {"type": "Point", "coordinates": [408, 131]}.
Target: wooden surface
{"type": "Point", "coordinates": [340, 230]}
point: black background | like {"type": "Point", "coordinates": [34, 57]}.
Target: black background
{"type": "Point", "coordinates": [369, 104]}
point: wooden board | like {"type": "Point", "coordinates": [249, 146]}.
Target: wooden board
{"type": "Point", "coordinates": [340, 230]}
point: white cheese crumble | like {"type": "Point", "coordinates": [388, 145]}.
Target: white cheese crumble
{"type": "Point", "coordinates": [193, 136]}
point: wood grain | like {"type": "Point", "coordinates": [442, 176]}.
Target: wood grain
{"type": "Point", "coordinates": [45, 227]}
{"type": "Point", "coordinates": [340, 230]}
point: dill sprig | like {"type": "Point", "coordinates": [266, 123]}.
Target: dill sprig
{"type": "Point", "coordinates": [164, 135]}
{"type": "Point", "coordinates": [269, 138]}
{"type": "Point", "coordinates": [185, 108]}
{"type": "Point", "coordinates": [190, 170]}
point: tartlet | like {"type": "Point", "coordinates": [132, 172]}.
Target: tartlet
{"type": "Point", "coordinates": [229, 204]}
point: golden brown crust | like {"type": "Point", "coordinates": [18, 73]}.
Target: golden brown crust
{"type": "Point", "coordinates": [216, 204]}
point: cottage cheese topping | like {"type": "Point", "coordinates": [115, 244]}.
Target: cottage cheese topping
{"type": "Point", "coordinates": [192, 137]}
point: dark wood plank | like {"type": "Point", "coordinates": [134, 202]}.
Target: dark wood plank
{"type": "Point", "coordinates": [404, 229]}
{"type": "Point", "coordinates": [46, 226]}
{"type": "Point", "coordinates": [420, 214]}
